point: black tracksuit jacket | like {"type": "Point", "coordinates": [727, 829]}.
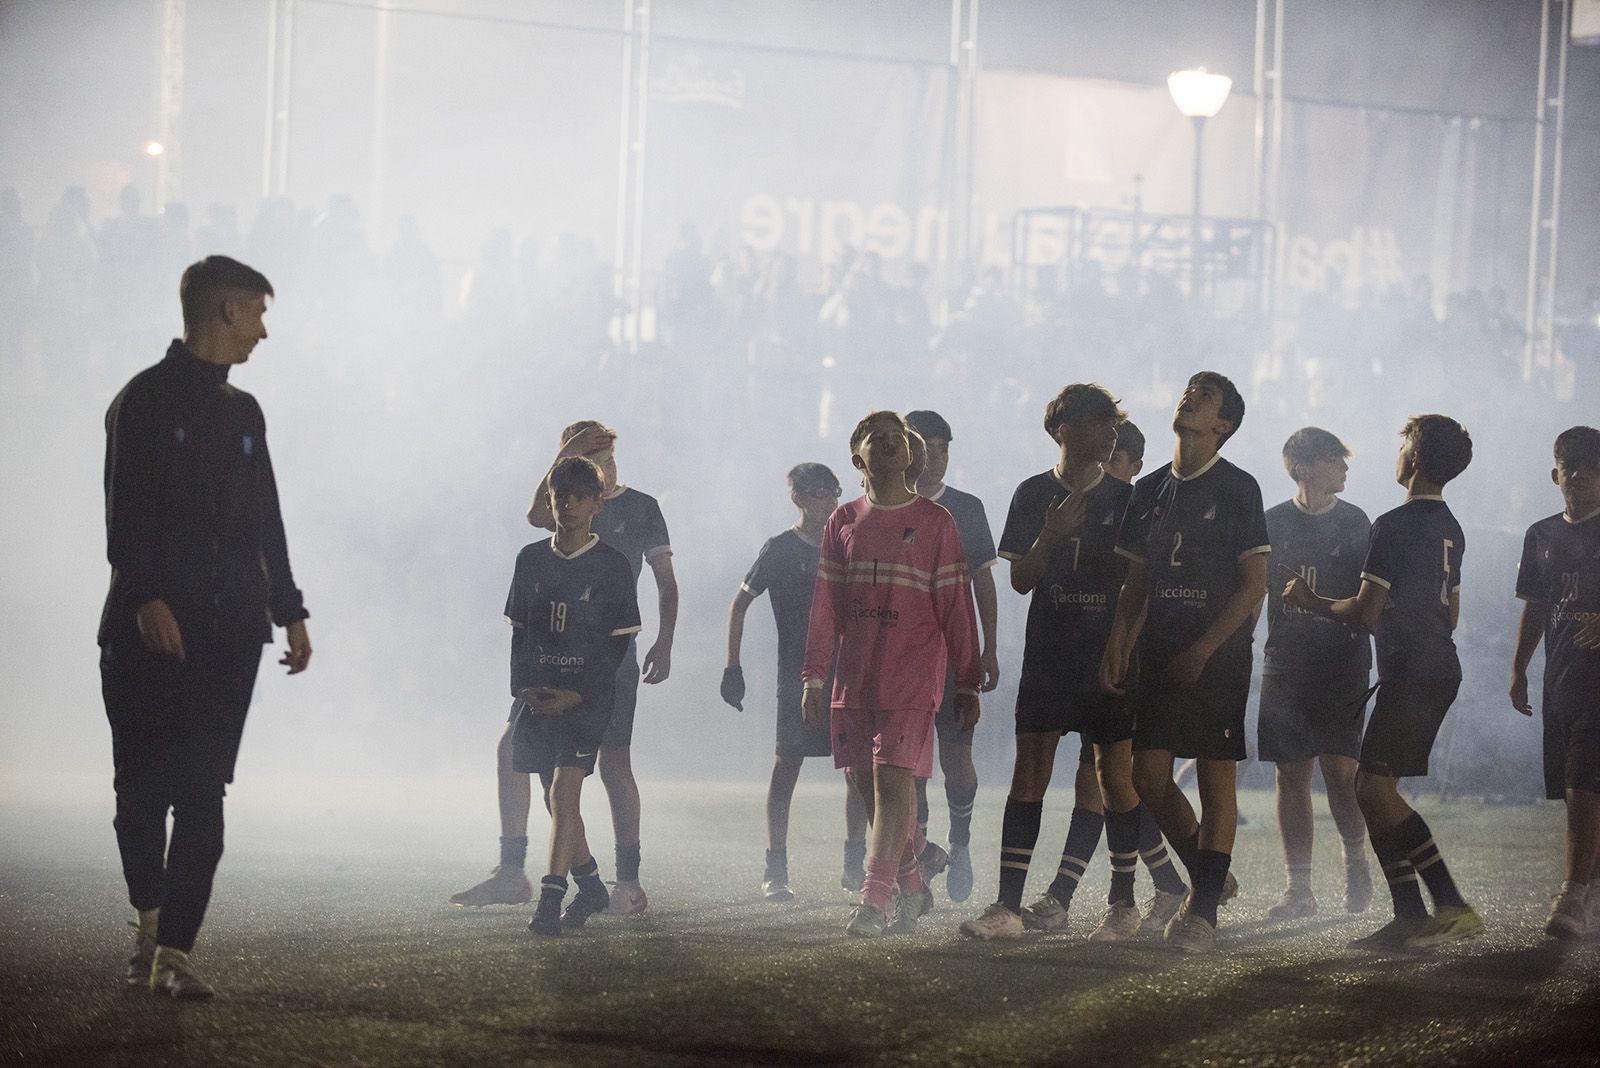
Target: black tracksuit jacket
{"type": "Point", "coordinates": [192, 508]}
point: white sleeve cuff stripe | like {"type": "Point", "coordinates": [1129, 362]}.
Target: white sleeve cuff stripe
{"type": "Point", "coordinates": [1120, 551]}
{"type": "Point", "coordinates": [659, 550]}
{"type": "Point", "coordinates": [626, 630]}
{"type": "Point", "coordinates": [1257, 549]}
{"type": "Point", "coordinates": [745, 586]}
{"type": "Point", "coordinates": [986, 565]}
{"type": "Point", "coordinates": [1004, 555]}
{"type": "Point", "coordinates": [1367, 576]}
{"type": "Point", "coordinates": [511, 621]}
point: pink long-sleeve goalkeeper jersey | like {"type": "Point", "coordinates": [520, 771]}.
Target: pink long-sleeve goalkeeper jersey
{"type": "Point", "coordinates": [893, 601]}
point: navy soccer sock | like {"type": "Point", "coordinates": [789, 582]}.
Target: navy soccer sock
{"type": "Point", "coordinates": [1402, 877]}
{"type": "Point", "coordinates": [514, 851]}
{"type": "Point", "coordinates": [960, 800]}
{"type": "Point", "coordinates": [587, 876]}
{"type": "Point", "coordinates": [1153, 848]}
{"type": "Point", "coordinates": [1019, 832]}
{"type": "Point", "coordinates": [628, 863]}
{"type": "Point", "coordinates": [1122, 839]}
{"type": "Point", "coordinates": [552, 889]}
{"type": "Point", "coordinates": [1083, 838]}
{"type": "Point", "coordinates": [1414, 837]}
{"type": "Point", "coordinates": [1211, 876]}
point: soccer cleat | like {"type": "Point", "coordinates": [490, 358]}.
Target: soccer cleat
{"type": "Point", "coordinates": [958, 880]}
{"type": "Point", "coordinates": [1046, 914]}
{"type": "Point", "coordinates": [854, 875]}
{"type": "Point", "coordinates": [934, 860]}
{"type": "Point", "coordinates": [144, 955]}
{"type": "Point", "coordinates": [908, 909]}
{"type": "Point", "coordinates": [627, 899]}
{"type": "Point", "coordinates": [505, 885]}
{"type": "Point", "coordinates": [1569, 919]}
{"type": "Point", "coordinates": [1189, 933]}
{"type": "Point", "coordinates": [1120, 923]}
{"type": "Point", "coordinates": [587, 903]}
{"type": "Point", "coordinates": [545, 923]}
{"type": "Point", "coordinates": [998, 922]}
{"type": "Point", "coordinates": [866, 922]}
{"type": "Point", "coordinates": [173, 974]}
{"type": "Point", "coordinates": [1392, 936]}
{"type": "Point", "coordinates": [1449, 923]}
{"type": "Point", "coordinates": [1357, 889]}
{"type": "Point", "coordinates": [776, 890]}
{"type": "Point", "coordinates": [1230, 889]}
{"type": "Point", "coordinates": [1293, 905]}
{"type": "Point", "coordinates": [1161, 907]}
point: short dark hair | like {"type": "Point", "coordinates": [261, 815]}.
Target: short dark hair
{"type": "Point", "coordinates": [1130, 440]}
{"type": "Point", "coordinates": [204, 283]}
{"type": "Point", "coordinates": [929, 424]}
{"type": "Point", "coordinates": [1232, 407]}
{"type": "Point", "coordinates": [1577, 447]}
{"type": "Point", "coordinates": [810, 477]}
{"type": "Point", "coordinates": [1078, 403]}
{"type": "Point", "coordinates": [863, 428]}
{"type": "Point", "coordinates": [1311, 444]}
{"type": "Point", "coordinates": [576, 476]}
{"type": "Point", "coordinates": [1441, 446]}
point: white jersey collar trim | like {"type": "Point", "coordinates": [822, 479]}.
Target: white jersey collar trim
{"type": "Point", "coordinates": [1583, 519]}
{"type": "Point", "coordinates": [1064, 484]}
{"type": "Point", "coordinates": [594, 539]}
{"type": "Point", "coordinates": [1203, 469]}
{"type": "Point", "coordinates": [942, 488]}
{"type": "Point", "coordinates": [1320, 511]}
{"type": "Point", "coordinates": [619, 491]}
{"type": "Point", "coordinates": [1425, 497]}
{"type": "Point", "coordinates": [802, 536]}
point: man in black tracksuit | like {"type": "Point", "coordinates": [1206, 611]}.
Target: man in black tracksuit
{"type": "Point", "coordinates": [200, 572]}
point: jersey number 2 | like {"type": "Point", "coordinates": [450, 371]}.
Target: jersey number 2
{"type": "Point", "coordinates": [1177, 543]}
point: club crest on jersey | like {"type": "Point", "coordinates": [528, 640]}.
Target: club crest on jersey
{"type": "Point", "coordinates": [249, 446]}
{"type": "Point", "coordinates": [1211, 511]}
{"type": "Point", "coordinates": [910, 536]}
{"type": "Point", "coordinates": [1111, 517]}
{"type": "Point", "coordinates": [586, 591]}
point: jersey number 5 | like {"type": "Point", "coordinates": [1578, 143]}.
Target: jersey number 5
{"type": "Point", "coordinates": [558, 617]}
{"type": "Point", "coordinates": [1444, 586]}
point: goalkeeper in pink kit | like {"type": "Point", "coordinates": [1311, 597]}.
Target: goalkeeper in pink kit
{"type": "Point", "coordinates": [892, 607]}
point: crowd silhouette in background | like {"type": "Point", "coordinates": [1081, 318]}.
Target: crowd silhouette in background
{"type": "Point", "coordinates": [441, 388]}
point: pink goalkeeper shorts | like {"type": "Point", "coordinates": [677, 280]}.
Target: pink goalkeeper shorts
{"type": "Point", "coordinates": [902, 738]}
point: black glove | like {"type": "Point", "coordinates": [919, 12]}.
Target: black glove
{"type": "Point", "coordinates": [733, 687]}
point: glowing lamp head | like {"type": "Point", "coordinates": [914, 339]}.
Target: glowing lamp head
{"type": "Point", "coordinates": [1199, 93]}
{"type": "Point", "coordinates": [154, 148]}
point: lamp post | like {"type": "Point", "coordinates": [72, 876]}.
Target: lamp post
{"type": "Point", "coordinates": [1199, 95]}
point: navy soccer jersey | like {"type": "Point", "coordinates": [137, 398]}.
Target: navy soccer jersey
{"type": "Point", "coordinates": [972, 523]}
{"type": "Point", "coordinates": [1415, 553]}
{"type": "Point", "coordinates": [631, 522]}
{"type": "Point", "coordinates": [787, 569]}
{"type": "Point", "coordinates": [1560, 571]}
{"type": "Point", "coordinates": [1070, 610]}
{"type": "Point", "coordinates": [567, 613]}
{"type": "Point", "coordinates": [1326, 549]}
{"type": "Point", "coordinates": [1192, 533]}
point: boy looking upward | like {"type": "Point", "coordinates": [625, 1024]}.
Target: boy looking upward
{"type": "Point", "coordinates": [1196, 541]}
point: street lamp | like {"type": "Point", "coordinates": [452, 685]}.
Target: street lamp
{"type": "Point", "coordinates": [1199, 95]}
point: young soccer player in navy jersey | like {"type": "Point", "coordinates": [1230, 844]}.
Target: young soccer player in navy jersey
{"type": "Point", "coordinates": [1410, 597]}
{"type": "Point", "coordinates": [632, 524]}
{"type": "Point", "coordinates": [955, 743]}
{"type": "Point", "coordinates": [787, 569]}
{"type": "Point", "coordinates": [1196, 540]}
{"type": "Point", "coordinates": [1060, 535]}
{"type": "Point", "coordinates": [573, 614]}
{"type": "Point", "coordinates": [1314, 669]}
{"type": "Point", "coordinates": [1559, 584]}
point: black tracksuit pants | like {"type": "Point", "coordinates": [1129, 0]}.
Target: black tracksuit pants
{"type": "Point", "coordinates": [175, 730]}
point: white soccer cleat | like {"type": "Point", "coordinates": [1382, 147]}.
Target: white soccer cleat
{"type": "Point", "coordinates": [1161, 907]}
{"type": "Point", "coordinates": [1293, 905]}
{"type": "Point", "coordinates": [1046, 914]}
{"type": "Point", "coordinates": [506, 885]}
{"type": "Point", "coordinates": [173, 974]}
{"type": "Point", "coordinates": [627, 899]}
{"type": "Point", "coordinates": [998, 923]}
{"type": "Point", "coordinates": [1569, 914]}
{"type": "Point", "coordinates": [1120, 924]}
{"type": "Point", "coordinates": [1191, 934]}
{"type": "Point", "coordinates": [144, 955]}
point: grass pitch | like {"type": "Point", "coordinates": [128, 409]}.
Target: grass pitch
{"type": "Point", "coordinates": [331, 943]}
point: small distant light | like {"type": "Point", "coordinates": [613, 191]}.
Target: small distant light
{"type": "Point", "coordinates": [154, 148]}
